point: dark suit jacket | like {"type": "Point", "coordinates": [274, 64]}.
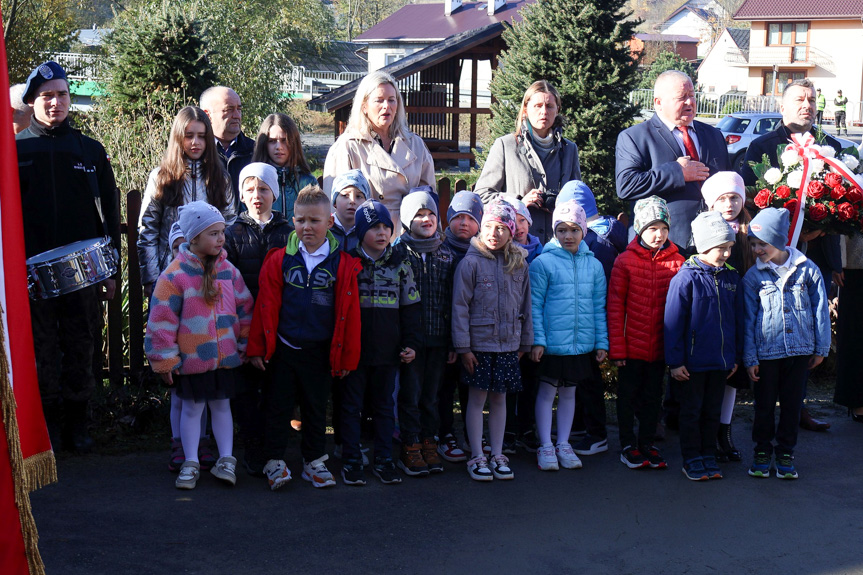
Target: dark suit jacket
{"type": "Point", "coordinates": [646, 165]}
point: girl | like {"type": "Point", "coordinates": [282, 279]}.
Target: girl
{"type": "Point", "coordinates": [196, 334]}
{"type": "Point", "coordinates": [491, 330]}
{"type": "Point", "coordinates": [567, 289]}
{"type": "Point", "coordinates": [278, 143]}
{"type": "Point", "coordinates": [725, 193]}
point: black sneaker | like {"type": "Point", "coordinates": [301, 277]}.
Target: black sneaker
{"type": "Point", "coordinates": [385, 470]}
{"type": "Point", "coordinates": [591, 445]}
{"type": "Point", "coordinates": [633, 458]}
{"type": "Point", "coordinates": [352, 472]}
{"type": "Point", "coordinates": [528, 442]}
{"type": "Point", "coordinates": [654, 458]}
{"type": "Point", "coordinates": [509, 442]}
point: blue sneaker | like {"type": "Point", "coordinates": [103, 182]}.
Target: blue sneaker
{"type": "Point", "coordinates": [694, 470]}
{"type": "Point", "coordinates": [760, 465]}
{"type": "Point", "coordinates": [711, 467]}
{"type": "Point", "coordinates": [785, 466]}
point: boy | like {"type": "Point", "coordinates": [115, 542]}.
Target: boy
{"type": "Point", "coordinates": [391, 326]}
{"type": "Point", "coordinates": [421, 244]}
{"type": "Point", "coordinates": [306, 328]}
{"type": "Point", "coordinates": [256, 231]}
{"type": "Point", "coordinates": [636, 310]}
{"type": "Point", "coordinates": [523, 221]}
{"type": "Point", "coordinates": [702, 345]}
{"type": "Point", "coordinates": [349, 191]}
{"type": "Point", "coordinates": [786, 333]}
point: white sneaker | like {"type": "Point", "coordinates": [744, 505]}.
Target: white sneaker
{"type": "Point", "coordinates": [226, 469]}
{"type": "Point", "coordinates": [277, 473]}
{"type": "Point", "coordinates": [189, 474]}
{"type": "Point", "coordinates": [566, 456]}
{"type": "Point", "coordinates": [317, 474]}
{"type": "Point", "coordinates": [478, 469]}
{"type": "Point", "coordinates": [546, 459]}
{"type": "Point", "coordinates": [500, 467]}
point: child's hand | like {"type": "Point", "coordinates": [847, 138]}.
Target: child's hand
{"type": "Point", "coordinates": [536, 352]}
{"type": "Point", "coordinates": [469, 361]}
{"type": "Point", "coordinates": [407, 355]}
{"type": "Point", "coordinates": [258, 362]}
{"type": "Point", "coordinates": [601, 354]}
{"type": "Point", "coordinates": [619, 362]}
{"type": "Point", "coordinates": [167, 378]}
{"type": "Point", "coordinates": [815, 361]}
{"type": "Point", "coordinates": [732, 372]}
{"type": "Point", "coordinates": [451, 357]}
{"type": "Point", "coordinates": [680, 373]}
{"type": "Point", "coordinates": [753, 372]}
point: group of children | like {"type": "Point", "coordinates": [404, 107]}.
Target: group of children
{"type": "Point", "coordinates": [392, 319]}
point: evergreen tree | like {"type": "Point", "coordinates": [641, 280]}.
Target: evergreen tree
{"type": "Point", "coordinates": [580, 46]}
{"type": "Point", "coordinates": [666, 60]}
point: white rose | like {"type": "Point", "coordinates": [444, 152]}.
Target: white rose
{"type": "Point", "coordinates": [816, 166]}
{"type": "Point", "coordinates": [789, 157]}
{"type": "Point", "coordinates": [827, 152]}
{"type": "Point", "coordinates": [773, 175]}
{"type": "Point", "coordinates": [850, 161]}
{"type": "Point", "coordinates": [795, 178]}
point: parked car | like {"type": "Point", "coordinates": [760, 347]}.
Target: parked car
{"type": "Point", "coordinates": [739, 129]}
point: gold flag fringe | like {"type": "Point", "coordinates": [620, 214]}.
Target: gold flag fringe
{"type": "Point", "coordinates": [42, 467]}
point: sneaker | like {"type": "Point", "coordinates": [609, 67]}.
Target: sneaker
{"type": "Point", "coordinates": [566, 456]}
{"type": "Point", "coordinates": [177, 455]}
{"type": "Point", "coordinates": [785, 466]}
{"type": "Point", "coordinates": [591, 445]}
{"type": "Point", "coordinates": [712, 467]}
{"type": "Point", "coordinates": [509, 443]}
{"type": "Point", "coordinates": [277, 473]}
{"type": "Point", "coordinates": [411, 461]}
{"type": "Point", "coordinates": [337, 453]}
{"type": "Point", "coordinates": [206, 457]}
{"type": "Point", "coordinates": [190, 471]}
{"type": "Point", "coordinates": [478, 469]}
{"type": "Point", "coordinates": [546, 459]}
{"type": "Point", "coordinates": [226, 469]}
{"type": "Point", "coordinates": [633, 458]}
{"type": "Point", "coordinates": [500, 467]}
{"type": "Point", "coordinates": [430, 455]}
{"type": "Point", "coordinates": [449, 449]}
{"type": "Point", "coordinates": [528, 441]}
{"type": "Point", "coordinates": [352, 472]}
{"type": "Point", "coordinates": [316, 472]}
{"type": "Point", "coordinates": [654, 458]}
{"type": "Point", "coordinates": [760, 465]}
{"type": "Point", "coordinates": [694, 470]}
{"type": "Point", "coordinates": [385, 470]}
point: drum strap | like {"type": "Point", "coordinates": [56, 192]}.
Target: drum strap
{"type": "Point", "coordinates": [93, 183]}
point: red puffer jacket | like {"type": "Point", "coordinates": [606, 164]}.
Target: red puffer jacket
{"type": "Point", "coordinates": [636, 301]}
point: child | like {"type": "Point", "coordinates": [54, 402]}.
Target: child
{"type": "Point", "coordinates": [463, 216]}
{"type": "Point", "coordinates": [725, 193]}
{"type": "Point", "coordinates": [278, 143]}
{"type": "Point", "coordinates": [307, 328]}
{"type": "Point", "coordinates": [523, 221]}
{"type": "Point", "coordinates": [568, 304]}
{"type": "Point", "coordinates": [175, 239]}
{"type": "Point", "coordinates": [257, 230]}
{"type": "Point", "coordinates": [786, 333]}
{"type": "Point", "coordinates": [349, 191]}
{"type": "Point", "coordinates": [702, 346]}
{"type": "Point", "coordinates": [421, 244]}
{"type": "Point", "coordinates": [391, 331]}
{"type": "Point", "coordinates": [491, 330]}
{"type": "Point", "coordinates": [194, 354]}
{"type": "Point", "coordinates": [636, 308]}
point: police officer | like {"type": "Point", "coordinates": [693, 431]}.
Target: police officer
{"type": "Point", "coordinates": [68, 194]}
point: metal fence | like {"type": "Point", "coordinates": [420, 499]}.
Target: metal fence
{"type": "Point", "coordinates": [713, 104]}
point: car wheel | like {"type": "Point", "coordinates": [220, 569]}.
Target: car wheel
{"type": "Point", "coordinates": [737, 162]}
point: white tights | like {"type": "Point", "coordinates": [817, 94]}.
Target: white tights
{"type": "Point", "coordinates": [565, 411]}
{"type": "Point", "coordinates": [496, 420]}
{"type": "Point", "coordinates": [177, 410]}
{"type": "Point", "coordinates": [190, 426]}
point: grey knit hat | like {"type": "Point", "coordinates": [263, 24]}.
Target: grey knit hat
{"type": "Point", "coordinates": [415, 201]}
{"type": "Point", "coordinates": [195, 217]}
{"type": "Point", "coordinates": [709, 229]}
{"type": "Point", "coordinates": [264, 172]}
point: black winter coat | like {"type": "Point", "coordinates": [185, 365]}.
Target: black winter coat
{"type": "Point", "coordinates": [247, 244]}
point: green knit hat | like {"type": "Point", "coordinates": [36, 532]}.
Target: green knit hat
{"type": "Point", "coordinates": [648, 211]}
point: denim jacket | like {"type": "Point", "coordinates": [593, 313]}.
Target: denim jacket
{"type": "Point", "coordinates": [785, 317]}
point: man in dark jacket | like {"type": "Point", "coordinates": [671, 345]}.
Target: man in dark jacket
{"type": "Point", "coordinates": [68, 194]}
{"type": "Point", "coordinates": [225, 111]}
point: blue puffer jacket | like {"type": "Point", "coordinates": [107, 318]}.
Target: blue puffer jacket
{"type": "Point", "coordinates": [568, 301]}
{"type": "Point", "coordinates": [701, 313]}
{"type": "Point", "coordinates": [784, 318]}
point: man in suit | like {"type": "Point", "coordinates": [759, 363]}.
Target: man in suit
{"type": "Point", "coordinates": [670, 155]}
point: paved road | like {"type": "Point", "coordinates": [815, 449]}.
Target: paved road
{"type": "Point", "coordinates": [117, 515]}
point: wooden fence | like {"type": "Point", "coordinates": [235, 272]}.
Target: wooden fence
{"type": "Point", "coordinates": [123, 368]}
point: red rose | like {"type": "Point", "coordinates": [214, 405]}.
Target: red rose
{"type": "Point", "coordinates": [763, 198]}
{"type": "Point", "coordinates": [791, 206]}
{"type": "Point", "coordinates": [832, 180]}
{"type": "Point", "coordinates": [847, 212]}
{"type": "Point", "coordinates": [818, 212]}
{"type": "Point", "coordinates": [782, 192]}
{"type": "Point", "coordinates": [853, 195]}
{"type": "Point", "coordinates": [837, 192]}
{"type": "Point", "coordinates": [832, 206]}
{"type": "Point", "coordinates": [815, 189]}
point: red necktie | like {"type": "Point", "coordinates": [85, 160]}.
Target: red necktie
{"type": "Point", "coordinates": [688, 143]}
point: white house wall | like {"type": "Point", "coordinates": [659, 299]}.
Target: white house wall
{"type": "Point", "coordinates": [719, 76]}
{"type": "Point", "coordinates": [688, 24]}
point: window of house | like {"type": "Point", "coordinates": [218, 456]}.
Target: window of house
{"type": "Point", "coordinates": [390, 58]}
{"type": "Point", "coordinates": [794, 35]}
{"type": "Point", "coordinates": [782, 78]}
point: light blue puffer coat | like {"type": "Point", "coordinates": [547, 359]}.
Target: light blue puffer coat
{"type": "Point", "coordinates": [568, 301]}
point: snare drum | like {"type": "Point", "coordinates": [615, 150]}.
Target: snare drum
{"type": "Point", "coordinates": [70, 268]}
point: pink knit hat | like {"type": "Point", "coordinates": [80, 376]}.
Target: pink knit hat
{"type": "Point", "coordinates": [499, 210]}
{"type": "Point", "coordinates": [722, 183]}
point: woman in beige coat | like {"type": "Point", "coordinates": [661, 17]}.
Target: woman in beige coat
{"type": "Point", "coordinates": [378, 142]}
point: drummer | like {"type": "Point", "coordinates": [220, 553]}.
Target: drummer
{"type": "Point", "coordinates": [68, 194]}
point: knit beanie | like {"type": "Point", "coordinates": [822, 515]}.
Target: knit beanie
{"type": "Point", "coordinates": [498, 210]}
{"type": "Point", "coordinates": [465, 202]}
{"type": "Point", "coordinates": [176, 232]}
{"type": "Point", "coordinates": [418, 199]}
{"type": "Point", "coordinates": [650, 210]}
{"type": "Point", "coordinates": [570, 212]}
{"type": "Point", "coordinates": [580, 192]}
{"type": "Point", "coordinates": [722, 183]}
{"type": "Point", "coordinates": [43, 73]}
{"type": "Point", "coordinates": [709, 229]}
{"type": "Point", "coordinates": [354, 178]}
{"type": "Point", "coordinates": [264, 172]}
{"type": "Point", "coordinates": [771, 225]}
{"type": "Point", "coordinates": [195, 217]}
{"type": "Point", "coordinates": [369, 214]}
{"type": "Point", "coordinates": [520, 208]}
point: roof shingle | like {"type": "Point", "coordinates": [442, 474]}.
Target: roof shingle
{"type": "Point", "coordinates": [799, 10]}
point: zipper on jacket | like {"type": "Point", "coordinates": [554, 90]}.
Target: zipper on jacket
{"type": "Point", "coordinates": [721, 332]}
{"type": "Point", "coordinates": [692, 347]}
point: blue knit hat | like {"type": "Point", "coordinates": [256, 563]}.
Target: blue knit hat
{"type": "Point", "coordinates": [771, 225]}
{"type": "Point", "coordinates": [369, 214]}
{"type": "Point", "coordinates": [580, 192]}
{"type": "Point", "coordinates": [43, 73]}
{"type": "Point", "coordinates": [418, 199]}
{"type": "Point", "coordinates": [465, 202]}
{"type": "Point", "coordinates": [354, 178]}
